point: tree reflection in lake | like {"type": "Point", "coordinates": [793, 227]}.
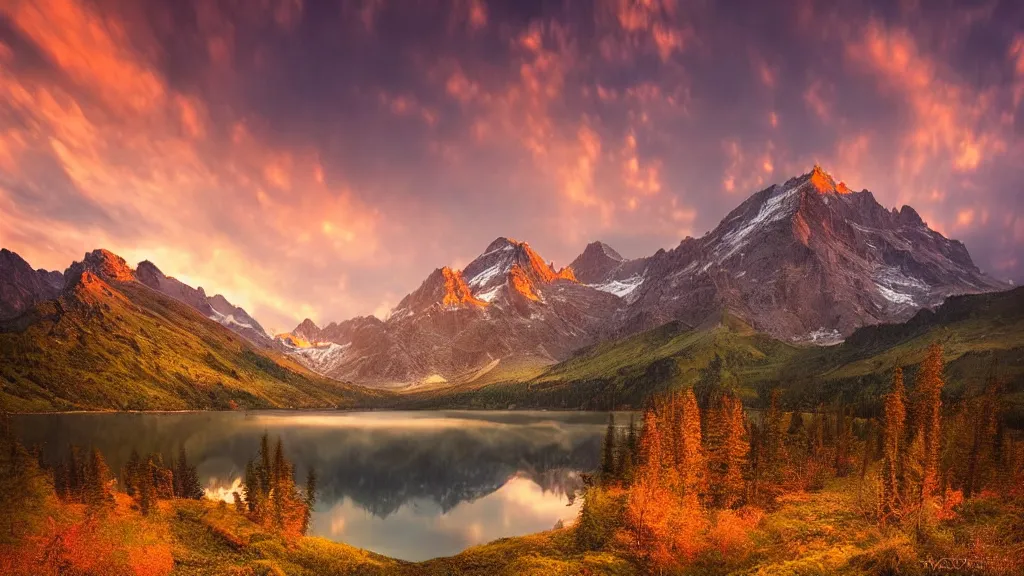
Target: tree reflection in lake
{"type": "Point", "coordinates": [408, 484]}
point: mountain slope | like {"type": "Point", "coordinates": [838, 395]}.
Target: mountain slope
{"type": "Point", "coordinates": [109, 342]}
{"type": "Point", "coordinates": [799, 260]}
{"type": "Point", "coordinates": [982, 334]}
{"type": "Point", "coordinates": [21, 287]}
{"type": "Point", "coordinates": [216, 308]}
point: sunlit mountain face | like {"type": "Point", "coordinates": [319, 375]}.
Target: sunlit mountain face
{"type": "Point", "coordinates": [315, 159]}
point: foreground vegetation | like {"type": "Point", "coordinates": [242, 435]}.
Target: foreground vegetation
{"type": "Point", "coordinates": [698, 486]}
{"type": "Point", "coordinates": [703, 489]}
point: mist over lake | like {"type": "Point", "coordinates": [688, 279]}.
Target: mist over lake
{"type": "Point", "coordinates": [412, 485]}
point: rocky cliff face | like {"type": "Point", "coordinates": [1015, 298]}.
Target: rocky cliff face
{"type": "Point", "coordinates": [21, 287]}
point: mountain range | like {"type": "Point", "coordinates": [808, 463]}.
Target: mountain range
{"type": "Point", "coordinates": [103, 336]}
{"type": "Point", "coordinates": [808, 260]}
{"type": "Point", "coordinates": [805, 262]}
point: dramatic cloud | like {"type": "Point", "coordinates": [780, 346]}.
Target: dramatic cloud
{"type": "Point", "coordinates": [320, 158]}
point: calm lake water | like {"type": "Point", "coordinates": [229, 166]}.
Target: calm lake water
{"type": "Point", "coordinates": [412, 485]}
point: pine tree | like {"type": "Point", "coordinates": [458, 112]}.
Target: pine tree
{"type": "Point", "coordinates": [608, 452]}
{"type": "Point", "coordinates": [983, 437]}
{"type": "Point", "coordinates": [310, 499]}
{"type": "Point", "coordinates": [650, 447]}
{"type": "Point", "coordinates": [928, 389]}
{"type": "Point", "coordinates": [709, 389]}
{"type": "Point", "coordinates": [773, 446]}
{"type": "Point", "coordinates": [894, 420]}
{"type": "Point", "coordinates": [728, 448]}
{"type": "Point", "coordinates": [186, 478]}
{"type": "Point", "coordinates": [843, 464]}
{"type": "Point", "coordinates": [95, 490]}
{"type": "Point", "coordinates": [691, 464]}
{"type": "Point", "coordinates": [145, 491]}
{"type": "Point", "coordinates": [130, 473]}
{"type": "Point", "coordinates": [626, 459]}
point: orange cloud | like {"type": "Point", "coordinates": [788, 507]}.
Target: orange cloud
{"type": "Point", "coordinates": [166, 197]}
{"type": "Point", "coordinates": [949, 120]}
{"type": "Point", "coordinates": [93, 52]}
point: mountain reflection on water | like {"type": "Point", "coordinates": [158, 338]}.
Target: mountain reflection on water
{"type": "Point", "coordinates": [413, 485]}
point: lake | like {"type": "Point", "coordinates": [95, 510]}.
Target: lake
{"type": "Point", "coordinates": [411, 485]}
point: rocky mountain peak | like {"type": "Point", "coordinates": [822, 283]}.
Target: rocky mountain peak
{"type": "Point", "coordinates": [308, 330]}
{"type": "Point", "coordinates": [595, 262]}
{"type": "Point", "coordinates": [21, 287]}
{"type": "Point", "coordinates": [823, 183]}
{"type": "Point", "coordinates": [103, 263]}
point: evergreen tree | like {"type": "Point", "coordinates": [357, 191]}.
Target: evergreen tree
{"type": "Point", "coordinates": [894, 419]}
{"type": "Point", "coordinates": [650, 446]}
{"type": "Point", "coordinates": [928, 389]}
{"type": "Point", "coordinates": [709, 389]}
{"type": "Point", "coordinates": [983, 438]}
{"type": "Point", "coordinates": [130, 473]}
{"type": "Point", "coordinates": [728, 448]}
{"type": "Point", "coordinates": [691, 464]}
{"type": "Point", "coordinates": [625, 460]}
{"type": "Point", "coordinates": [773, 444]}
{"type": "Point", "coordinates": [96, 490]}
{"type": "Point", "coordinates": [844, 431]}
{"type": "Point", "coordinates": [608, 452]}
{"type": "Point", "coordinates": [186, 478]}
{"type": "Point", "coordinates": [310, 499]}
{"type": "Point", "coordinates": [145, 491]}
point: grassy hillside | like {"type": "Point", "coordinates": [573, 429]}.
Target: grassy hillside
{"type": "Point", "coordinates": [977, 333]}
{"type": "Point", "coordinates": [123, 346]}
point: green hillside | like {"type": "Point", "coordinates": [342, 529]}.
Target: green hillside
{"type": "Point", "coordinates": [123, 346]}
{"type": "Point", "coordinates": [980, 333]}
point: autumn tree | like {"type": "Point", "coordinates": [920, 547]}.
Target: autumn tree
{"type": "Point", "coordinates": [928, 414]}
{"type": "Point", "coordinates": [984, 429]}
{"type": "Point", "coordinates": [691, 465]}
{"type": "Point", "coordinates": [894, 420]}
{"type": "Point", "coordinates": [727, 447]}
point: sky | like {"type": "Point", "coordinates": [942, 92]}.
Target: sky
{"type": "Point", "coordinates": [320, 158]}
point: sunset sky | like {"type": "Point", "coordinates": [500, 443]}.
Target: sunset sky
{"type": "Point", "coordinates": [319, 158]}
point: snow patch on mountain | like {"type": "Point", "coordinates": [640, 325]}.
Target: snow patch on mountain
{"type": "Point", "coordinates": [485, 276]}
{"type": "Point", "coordinates": [894, 296]}
{"type": "Point", "coordinates": [621, 288]}
{"type": "Point", "coordinates": [774, 208]}
{"type": "Point", "coordinates": [489, 295]}
{"type": "Point", "coordinates": [229, 320]}
{"type": "Point", "coordinates": [322, 358]}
